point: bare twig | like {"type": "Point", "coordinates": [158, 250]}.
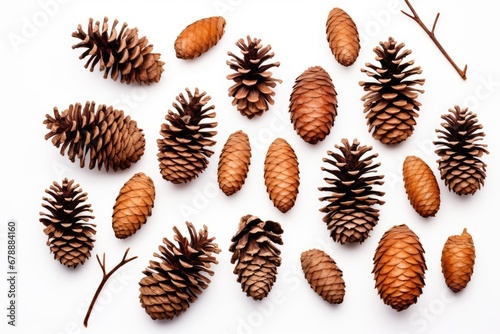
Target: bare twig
{"type": "Point", "coordinates": [431, 34]}
{"type": "Point", "coordinates": [105, 277]}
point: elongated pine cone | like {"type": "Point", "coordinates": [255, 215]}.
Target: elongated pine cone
{"type": "Point", "coordinates": [70, 235]}
{"type": "Point", "coordinates": [199, 37]}
{"type": "Point", "coordinates": [256, 255]}
{"type": "Point", "coordinates": [349, 214]}
{"type": "Point", "coordinates": [460, 152]}
{"type": "Point", "coordinates": [234, 163]}
{"type": "Point", "coordinates": [421, 186]}
{"type": "Point", "coordinates": [171, 284]}
{"type": "Point", "coordinates": [457, 260]}
{"type": "Point", "coordinates": [342, 35]}
{"type": "Point", "coordinates": [120, 54]}
{"type": "Point", "coordinates": [182, 148]}
{"type": "Point", "coordinates": [390, 104]}
{"type": "Point", "coordinates": [133, 205]}
{"type": "Point", "coordinates": [323, 275]}
{"type": "Point", "coordinates": [313, 104]}
{"type": "Point", "coordinates": [252, 90]}
{"type": "Point", "coordinates": [103, 136]}
{"type": "Point", "coordinates": [399, 267]}
{"type": "Point", "coordinates": [281, 174]}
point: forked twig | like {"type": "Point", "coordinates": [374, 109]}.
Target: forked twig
{"type": "Point", "coordinates": [431, 34]}
{"type": "Point", "coordinates": [105, 277]}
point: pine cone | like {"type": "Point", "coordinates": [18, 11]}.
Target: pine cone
{"type": "Point", "coordinates": [123, 54]}
{"type": "Point", "coordinates": [70, 235]}
{"type": "Point", "coordinates": [182, 149]}
{"type": "Point", "coordinates": [234, 163]}
{"type": "Point", "coordinates": [133, 205]}
{"type": "Point", "coordinates": [103, 136]}
{"type": "Point", "coordinates": [252, 89]}
{"type": "Point", "coordinates": [349, 213]}
{"type": "Point", "coordinates": [457, 261]}
{"type": "Point", "coordinates": [399, 267]}
{"type": "Point", "coordinates": [313, 104]}
{"type": "Point", "coordinates": [460, 165]}
{"type": "Point", "coordinates": [256, 256]}
{"type": "Point", "coordinates": [421, 186]}
{"type": "Point", "coordinates": [323, 274]}
{"type": "Point", "coordinates": [198, 37]}
{"type": "Point", "coordinates": [281, 174]}
{"type": "Point", "coordinates": [390, 105]}
{"type": "Point", "coordinates": [342, 35]}
{"type": "Point", "coordinates": [173, 283]}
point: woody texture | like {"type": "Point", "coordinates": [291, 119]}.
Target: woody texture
{"type": "Point", "coordinates": [313, 104]}
{"type": "Point", "coordinates": [133, 205]}
{"type": "Point", "coordinates": [102, 136]}
{"type": "Point", "coordinates": [199, 37]}
{"type": "Point", "coordinates": [256, 255]}
{"type": "Point", "coordinates": [457, 261]}
{"type": "Point", "coordinates": [121, 54]}
{"type": "Point", "coordinates": [342, 36]}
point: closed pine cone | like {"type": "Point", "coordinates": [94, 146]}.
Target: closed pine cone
{"type": "Point", "coordinates": [457, 260]}
{"type": "Point", "coordinates": [313, 104]}
{"type": "Point", "coordinates": [421, 186]}
{"type": "Point", "coordinates": [399, 267]}
{"type": "Point", "coordinates": [234, 163]}
{"type": "Point", "coordinates": [281, 174]}
{"type": "Point", "coordinates": [199, 36]}
{"type": "Point", "coordinates": [342, 35]}
{"type": "Point", "coordinates": [323, 274]}
{"type": "Point", "coordinates": [133, 205]}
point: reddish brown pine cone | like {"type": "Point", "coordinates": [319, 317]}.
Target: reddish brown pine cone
{"type": "Point", "coordinates": [399, 267]}
{"type": "Point", "coordinates": [323, 274]}
{"type": "Point", "coordinates": [313, 104]}
{"type": "Point", "coordinates": [457, 261]}
{"type": "Point", "coordinates": [421, 186]}
{"type": "Point", "coordinates": [199, 36]}
{"type": "Point", "coordinates": [342, 35]}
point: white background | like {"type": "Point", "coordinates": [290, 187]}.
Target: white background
{"type": "Point", "coordinates": [41, 70]}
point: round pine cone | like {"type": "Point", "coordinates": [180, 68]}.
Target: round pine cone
{"type": "Point", "coordinates": [457, 260]}
{"type": "Point", "coordinates": [199, 36]}
{"type": "Point", "coordinates": [342, 35]}
{"type": "Point", "coordinates": [421, 186]}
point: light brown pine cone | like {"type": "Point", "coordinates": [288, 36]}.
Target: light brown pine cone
{"type": "Point", "coordinates": [342, 35]}
{"type": "Point", "coordinates": [199, 36]}
{"type": "Point", "coordinates": [457, 260]}
{"type": "Point", "coordinates": [421, 186]}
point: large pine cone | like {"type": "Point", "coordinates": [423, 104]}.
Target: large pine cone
{"type": "Point", "coordinates": [256, 256]}
{"type": "Point", "coordinates": [349, 213]}
{"type": "Point", "coordinates": [182, 150]}
{"type": "Point", "coordinates": [70, 235]}
{"type": "Point", "coordinates": [199, 36]}
{"type": "Point", "coordinates": [119, 54]}
{"type": "Point", "coordinates": [457, 260]}
{"type": "Point", "coordinates": [173, 283]}
{"type": "Point", "coordinates": [253, 82]}
{"type": "Point", "coordinates": [421, 186]}
{"type": "Point", "coordinates": [459, 152]}
{"type": "Point", "coordinates": [390, 103]}
{"type": "Point", "coordinates": [399, 267]}
{"type": "Point", "coordinates": [313, 104]}
{"type": "Point", "coordinates": [104, 136]}
{"type": "Point", "coordinates": [342, 35]}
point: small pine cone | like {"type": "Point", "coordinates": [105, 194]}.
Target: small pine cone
{"type": "Point", "coordinates": [323, 274]}
{"type": "Point", "coordinates": [252, 89]}
{"type": "Point", "coordinates": [457, 261]}
{"type": "Point", "coordinates": [460, 165]}
{"type": "Point", "coordinates": [342, 35]}
{"type": "Point", "coordinates": [70, 235]}
{"type": "Point", "coordinates": [390, 103]}
{"type": "Point", "coordinates": [421, 186]}
{"type": "Point", "coordinates": [349, 213]}
{"type": "Point", "coordinates": [399, 267]}
{"type": "Point", "coordinates": [133, 205]}
{"type": "Point", "coordinates": [121, 53]}
{"type": "Point", "coordinates": [182, 150]}
{"type": "Point", "coordinates": [256, 256]}
{"type": "Point", "coordinates": [199, 37]}
{"type": "Point", "coordinates": [281, 174]}
{"type": "Point", "coordinates": [234, 162]}
{"type": "Point", "coordinates": [102, 135]}
{"type": "Point", "coordinates": [313, 104]}
{"type": "Point", "coordinates": [173, 283]}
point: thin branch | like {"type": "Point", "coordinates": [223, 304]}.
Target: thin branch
{"type": "Point", "coordinates": [105, 277]}
{"type": "Point", "coordinates": [431, 34]}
